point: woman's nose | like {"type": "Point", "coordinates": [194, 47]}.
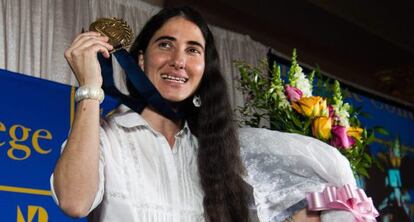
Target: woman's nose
{"type": "Point", "coordinates": [178, 60]}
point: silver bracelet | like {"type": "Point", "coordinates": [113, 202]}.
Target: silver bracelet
{"type": "Point", "coordinates": [89, 92]}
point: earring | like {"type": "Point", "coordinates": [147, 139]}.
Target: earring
{"type": "Point", "coordinates": [197, 101]}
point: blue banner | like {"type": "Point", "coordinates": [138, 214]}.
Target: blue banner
{"type": "Point", "coordinates": [35, 118]}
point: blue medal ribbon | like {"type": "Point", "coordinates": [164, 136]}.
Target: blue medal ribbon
{"type": "Point", "coordinates": [141, 83]}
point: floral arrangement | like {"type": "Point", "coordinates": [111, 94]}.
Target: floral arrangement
{"type": "Point", "coordinates": [293, 106]}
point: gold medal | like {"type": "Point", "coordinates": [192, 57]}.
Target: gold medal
{"type": "Point", "coordinates": [116, 29]}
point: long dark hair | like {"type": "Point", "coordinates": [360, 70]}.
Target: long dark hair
{"type": "Point", "coordinates": [219, 163]}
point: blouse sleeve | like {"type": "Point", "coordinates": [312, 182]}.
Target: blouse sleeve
{"type": "Point", "coordinates": [103, 141]}
{"type": "Point", "coordinates": [283, 167]}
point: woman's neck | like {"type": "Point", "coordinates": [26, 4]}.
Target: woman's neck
{"type": "Point", "coordinates": [161, 124]}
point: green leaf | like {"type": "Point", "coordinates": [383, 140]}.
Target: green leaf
{"type": "Point", "coordinates": [381, 130]}
{"type": "Point", "coordinates": [297, 122]}
{"type": "Point", "coordinates": [368, 159]}
{"type": "Point", "coordinates": [370, 139]}
{"type": "Point", "coordinates": [377, 163]}
{"type": "Point", "coordinates": [363, 172]}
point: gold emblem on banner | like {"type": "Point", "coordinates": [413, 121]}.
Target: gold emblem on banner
{"type": "Point", "coordinates": [117, 30]}
{"type": "Point", "coordinates": [32, 211]}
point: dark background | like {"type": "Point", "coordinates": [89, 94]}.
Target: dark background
{"type": "Point", "coordinates": [368, 44]}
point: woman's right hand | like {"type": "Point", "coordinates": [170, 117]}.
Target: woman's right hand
{"type": "Point", "coordinates": [83, 60]}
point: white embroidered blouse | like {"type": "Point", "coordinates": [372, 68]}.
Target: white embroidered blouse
{"type": "Point", "coordinates": [142, 178]}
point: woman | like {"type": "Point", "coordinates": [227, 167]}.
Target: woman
{"type": "Point", "coordinates": [145, 167]}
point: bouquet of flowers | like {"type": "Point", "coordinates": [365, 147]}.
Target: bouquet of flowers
{"type": "Point", "coordinates": [292, 105]}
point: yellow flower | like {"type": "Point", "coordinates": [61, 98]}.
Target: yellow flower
{"type": "Point", "coordinates": [355, 132]}
{"type": "Point", "coordinates": [321, 127]}
{"type": "Point", "coordinates": [313, 106]}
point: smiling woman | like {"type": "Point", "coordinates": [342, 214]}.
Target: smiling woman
{"type": "Point", "coordinates": [175, 56]}
{"type": "Point", "coordinates": [143, 166]}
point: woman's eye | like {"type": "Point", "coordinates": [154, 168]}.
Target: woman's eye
{"type": "Point", "coordinates": [164, 45]}
{"type": "Point", "coordinates": [194, 51]}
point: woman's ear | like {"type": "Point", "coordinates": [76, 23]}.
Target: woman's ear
{"type": "Point", "coordinates": [141, 60]}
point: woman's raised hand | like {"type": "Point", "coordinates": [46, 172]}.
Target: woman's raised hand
{"type": "Point", "coordinates": [82, 57]}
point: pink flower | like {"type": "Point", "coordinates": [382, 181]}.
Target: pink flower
{"type": "Point", "coordinates": [340, 139]}
{"type": "Point", "coordinates": [293, 94]}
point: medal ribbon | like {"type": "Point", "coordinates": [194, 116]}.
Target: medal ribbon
{"type": "Point", "coordinates": [141, 83]}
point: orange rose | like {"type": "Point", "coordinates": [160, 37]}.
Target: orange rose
{"type": "Point", "coordinates": [321, 127]}
{"type": "Point", "coordinates": [355, 132]}
{"type": "Point", "coordinates": [313, 106]}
